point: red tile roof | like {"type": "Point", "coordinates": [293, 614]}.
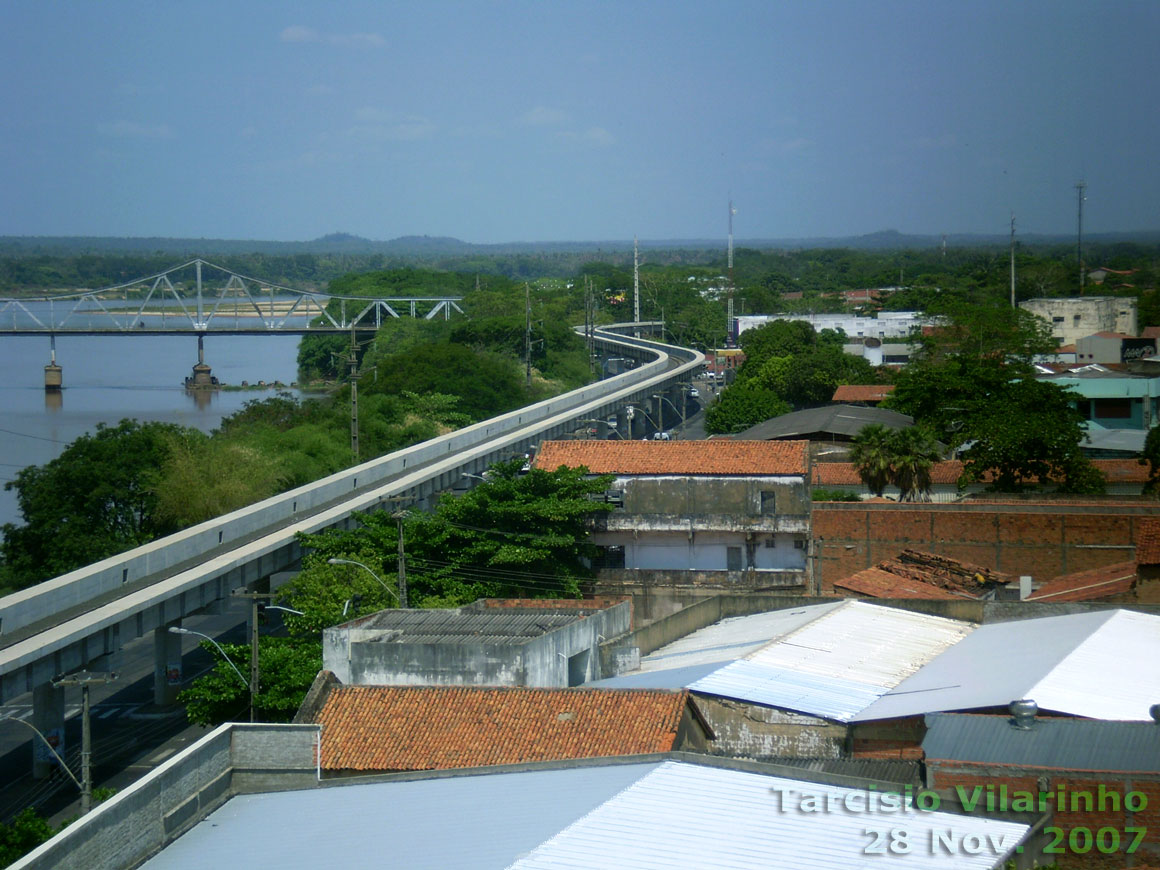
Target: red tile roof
{"type": "Point", "coordinates": [434, 727]}
{"type": "Point", "coordinates": [1148, 541]}
{"type": "Point", "coordinates": [878, 583]}
{"type": "Point", "coordinates": [1090, 585]}
{"type": "Point", "coordinates": [715, 457]}
{"type": "Point", "coordinates": [862, 392]}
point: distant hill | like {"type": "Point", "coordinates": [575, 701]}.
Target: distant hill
{"type": "Point", "coordinates": [444, 246]}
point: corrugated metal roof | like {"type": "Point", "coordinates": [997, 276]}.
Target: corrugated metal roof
{"type": "Point", "coordinates": [830, 660]}
{"type": "Point", "coordinates": [836, 419]}
{"type": "Point", "coordinates": [652, 817]}
{"type": "Point", "coordinates": [493, 626]}
{"type": "Point", "coordinates": [754, 683]}
{"type": "Point", "coordinates": [1074, 744]}
{"type": "Point", "coordinates": [839, 663]}
{"type": "Point", "coordinates": [1101, 665]}
{"type": "Point", "coordinates": [684, 815]}
{"type": "Point", "coordinates": [732, 639]}
{"type": "Point", "coordinates": [477, 822]}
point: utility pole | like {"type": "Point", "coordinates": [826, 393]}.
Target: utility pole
{"type": "Point", "coordinates": [255, 597]}
{"type": "Point", "coordinates": [84, 679]}
{"type": "Point", "coordinates": [353, 397]}
{"type": "Point", "coordinates": [636, 285]}
{"type": "Point", "coordinates": [1012, 259]}
{"type": "Point", "coordinates": [527, 334]}
{"type": "Point", "coordinates": [1080, 186]}
{"type": "Point", "coordinates": [400, 516]}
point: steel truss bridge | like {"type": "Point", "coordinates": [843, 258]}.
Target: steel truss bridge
{"type": "Point", "coordinates": [185, 300]}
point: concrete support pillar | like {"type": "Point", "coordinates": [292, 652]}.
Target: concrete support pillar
{"type": "Point", "coordinates": [622, 424]}
{"type": "Point", "coordinates": [53, 374]}
{"type": "Point", "coordinates": [637, 424]}
{"type": "Point", "coordinates": [167, 672]}
{"type": "Point", "coordinates": [48, 719]}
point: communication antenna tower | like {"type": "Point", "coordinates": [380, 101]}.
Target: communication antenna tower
{"type": "Point", "coordinates": [1012, 259]}
{"type": "Point", "coordinates": [729, 294]}
{"type": "Point", "coordinates": [1080, 186]}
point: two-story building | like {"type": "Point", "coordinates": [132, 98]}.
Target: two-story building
{"type": "Point", "coordinates": [717, 513]}
{"type": "Point", "coordinates": [1073, 318]}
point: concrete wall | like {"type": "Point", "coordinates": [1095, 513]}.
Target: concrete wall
{"type": "Point", "coordinates": [764, 733]}
{"type": "Point", "coordinates": [1071, 319]}
{"type": "Point", "coordinates": [730, 500]}
{"type": "Point", "coordinates": [565, 656]}
{"type": "Point", "coordinates": [137, 822]}
{"type": "Point", "coordinates": [1041, 540]}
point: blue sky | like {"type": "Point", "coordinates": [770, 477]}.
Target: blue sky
{"type": "Point", "coordinates": [513, 121]}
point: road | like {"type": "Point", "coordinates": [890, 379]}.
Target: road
{"type": "Point", "coordinates": [130, 734]}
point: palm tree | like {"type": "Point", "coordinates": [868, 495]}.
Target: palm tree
{"type": "Point", "coordinates": [872, 455]}
{"type": "Point", "coordinates": [914, 452]}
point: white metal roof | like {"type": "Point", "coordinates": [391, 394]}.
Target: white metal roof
{"type": "Point", "coordinates": [652, 817]}
{"type": "Point", "coordinates": [1100, 665]}
{"type": "Point", "coordinates": [839, 663]}
{"type": "Point", "coordinates": [829, 660]}
{"type": "Point", "coordinates": [685, 815]}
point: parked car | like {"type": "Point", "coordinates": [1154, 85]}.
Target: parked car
{"type": "Point", "coordinates": [694, 393]}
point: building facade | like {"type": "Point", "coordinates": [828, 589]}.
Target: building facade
{"type": "Point", "coordinates": [714, 513]}
{"type": "Point", "coordinates": [1072, 319]}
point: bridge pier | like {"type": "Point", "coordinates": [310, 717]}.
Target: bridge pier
{"type": "Point", "coordinates": [167, 673]}
{"type": "Point", "coordinates": [202, 377]}
{"type": "Point", "coordinates": [53, 374]}
{"type": "Point", "coordinates": [48, 719]}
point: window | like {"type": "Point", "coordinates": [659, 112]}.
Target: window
{"type": "Point", "coordinates": [611, 558]}
{"type": "Point", "coordinates": [768, 502]}
{"type": "Point", "coordinates": [770, 542]}
{"type": "Point", "coordinates": [1057, 320]}
{"type": "Point", "coordinates": [799, 543]}
{"type": "Point", "coordinates": [732, 558]}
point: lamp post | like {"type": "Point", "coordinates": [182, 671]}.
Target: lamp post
{"type": "Point", "coordinates": [671, 405]}
{"type": "Point", "coordinates": [380, 580]}
{"type": "Point", "coordinates": [250, 687]}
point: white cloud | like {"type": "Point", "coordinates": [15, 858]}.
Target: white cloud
{"type": "Point", "coordinates": [133, 130]}
{"type": "Point", "coordinates": [542, 116]}
{"type": "Point", "coordinates": [598, 136]}
{"type": "Point", "coordinates": [380, 124]}
{"type": "Point", "coordinates": [299, 33]}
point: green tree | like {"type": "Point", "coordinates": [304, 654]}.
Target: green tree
{"type": "Point", "coordinates": [27, 830]}
{"type": "Point", "coordinates": [286, 668]}
{"type": "Point", "coordinates": [203, 477]}
{"type": "Point", "coordinates": [96, 499]}
{"type": "Point", "coordinates": [915, 453]}
{"type": "Point", "coordinates": [1151, 458]}
{"type": "Point", "coordinates": [872, 453]}
{"type": "Point", "coordinates": [743, 405]}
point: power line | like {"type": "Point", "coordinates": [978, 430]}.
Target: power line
{"type": "Point", "coordinates": [37, 437]}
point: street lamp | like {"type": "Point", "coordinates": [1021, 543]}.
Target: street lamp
{"type": "Point", "coordinates": [671, 405]}
{"type": "Point", "coordinates": [369, 571]}
{"type": "Point", "coordinates": [285, 609]}
{"type": "Point", "coordinates": [465, 474]}
{"type": "Point", "coordinates": [174, 629]}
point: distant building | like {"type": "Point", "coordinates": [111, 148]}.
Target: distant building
{"type": "Point", "coordinates": [829, 423]}
{"type": "Point", "coordinates": [1073, 318]}
{"type": "Point", "coordinates": [1111, 399]}
{"type": "Point", "coordinates": [1113, 348]}
{"type": "Point", "coordinates": [707, 513]}
{"type": "Point", "coordinates": [861, 394]}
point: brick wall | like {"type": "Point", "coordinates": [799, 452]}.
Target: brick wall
{"type": "Point", "coordinates": [949, 774]}
{"type": "Point", "coordinates": [1042, 540]}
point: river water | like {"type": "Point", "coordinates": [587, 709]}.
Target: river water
{"type": "Point", "coordinates": [108, 378]}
